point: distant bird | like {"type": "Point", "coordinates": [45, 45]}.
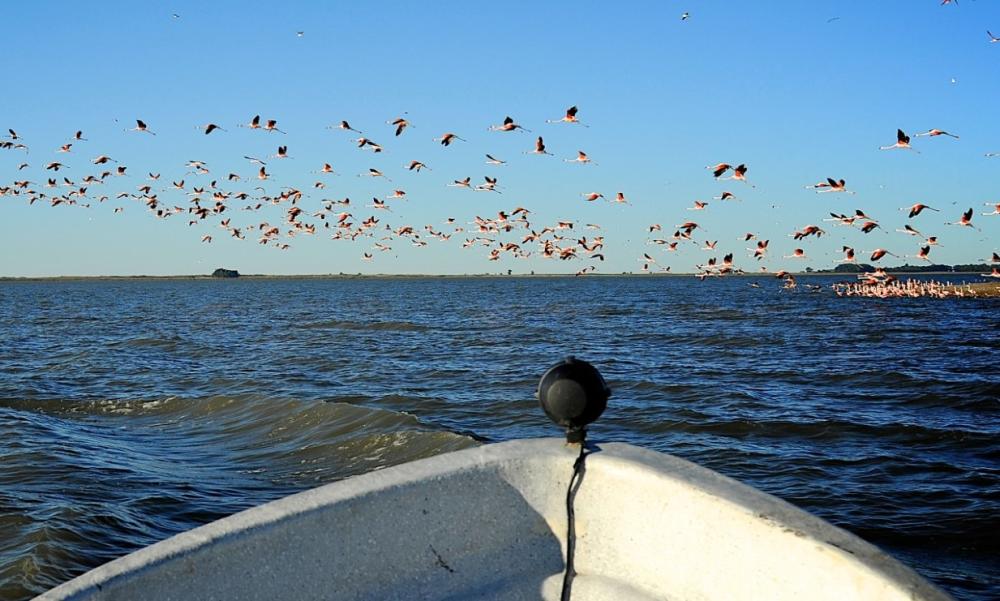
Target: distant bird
{"type": "Point", "coordinates": [996, 208]}
{"type": "Point", "coordinates": [878, 253]}
{"type": "Point", "coordinates": [362, 142]}
{"type": "Point", "coordinates": [719, 169]}
{"type": "Point", "coordinates": [254, 123]}
{"type": "Point", "coordinates": [993, 39]}
{"type": "Point", "coordinates": [212, 127]}
{"type": "Point", "coordinates": [831, 185]}
{"type": "Point", "coordinates": [345, 126]}
{"type": "Point", "coordinates": [581, 157]}
{"type": "Point", "coordinates": [400, 124]}
{"type": "Point", "coordinates": [372, 172]}
{"type": "Point", "coordinates": [868, 226]}
{"type": "Point", "coordinates": [489, 186]}
{"type": "Point", "coordinates": [272, 125]}
{"type": "Point", "coordinates": [508, 125]}
{"type": "Point", "coordinates": [539, 147]}
{"type": "Point", "coordinates": [685, 16]}
{"type": "Point", "coordinates": [965, 221]}
{"type": "Point", "coordinates": [140, 126]}
{"type": "Point", "coordinates": [902, 141]}
{"type": "Point", "coordinates": [491, 160]}
{"type": "Point", "coordinates": [569, 117]}
{"type": "Point", "coordinates": [417, 166]}
{"type": "Point", "coordinates": [739, 172]}
{"type": "Point", "coordinates": [923, 253]}
{"type": "Point", "coordinates": [936, 132]}
{"type": "Point", "coordinates": [917, 209]}
{"type": "Point", "coordinates": [592, 196]}
{"type": "Point", "coordinates": [447, 139]}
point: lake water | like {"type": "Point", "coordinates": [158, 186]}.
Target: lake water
{"type": "Point", "coordinates": [131, 410]}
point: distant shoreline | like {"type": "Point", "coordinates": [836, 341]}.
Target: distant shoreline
{"type": "Point", "coordinates": [358, 276]}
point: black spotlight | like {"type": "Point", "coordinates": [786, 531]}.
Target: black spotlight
{"type": "Point", "coordinates": [573, 394]}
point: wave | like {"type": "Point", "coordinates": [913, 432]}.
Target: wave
{"type": "Point", "coordinates": [86, 481]}
{"type": "Point", "coordinates": [392, 326]}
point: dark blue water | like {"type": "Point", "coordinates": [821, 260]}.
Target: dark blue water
{"type": "Point", "coordinates": [131, 410]}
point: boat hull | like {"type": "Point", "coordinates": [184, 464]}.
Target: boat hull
{"type": "Point", "coordinates": [490, 523]}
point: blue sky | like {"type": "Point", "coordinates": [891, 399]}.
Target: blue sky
{"type": "Point", "coordinates": [776, 85]}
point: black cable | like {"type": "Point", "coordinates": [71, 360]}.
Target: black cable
{"type": "Point", "coordinates": [574, 485]}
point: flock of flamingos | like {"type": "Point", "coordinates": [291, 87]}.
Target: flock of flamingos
{"type": "Point", "coordinates": [227, 201]}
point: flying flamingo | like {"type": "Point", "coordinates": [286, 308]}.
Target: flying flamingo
{"type": "Point", "coordinates": [372, 172]}
{"type": "Point", "coordinates": [581, 157]}
{"type": "Point", "coordinates": [447, 139]}
{"type": "Point", "coordinates": [902, 141]}
{"type": "Point", "coordinates": [936, 132]}
{"type": "Point", "coordinates": [740, 173]}
{"type": "Point", "coordinates": [492, 160]}
{"type": "Point", "coordinates": [831, 185]}
{"type": "Point", "coordinates": [878, 253]}
{"type": "Point", "coordinates": [996, 208]}
{"type": "Point", "coordinates": [916, 209]}
{"type": "Point", "coordinates": [140, 126]}
{"type": "Point", "coordinates": [719, 169]}
{"type": "Point", "coordinates": [344, 125]}
{"type": "Point", "coordinates": [569, 117]}
{"type": "Point", "coordinates": [400, 124]}
{"type": "Point", "coordinates": [966, 220]}
{"type": "Point", "coordinates": [508, 125]}
{"type": "Point", "coordinates": [539, 147]}
{"type": "Point", "coordinates": [922, 255]}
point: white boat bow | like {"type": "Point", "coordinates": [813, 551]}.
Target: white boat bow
{"type": "Point", "coordinates": [491, 523]}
